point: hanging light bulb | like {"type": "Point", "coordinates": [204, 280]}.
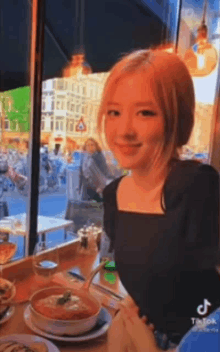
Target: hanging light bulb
{"type": "Point", "coordinates": [202, 58]}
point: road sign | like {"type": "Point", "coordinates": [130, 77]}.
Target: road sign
{"type": "Point", "coordinates": [81, 126]}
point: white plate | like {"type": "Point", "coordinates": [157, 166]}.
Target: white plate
{"type": "Point", "coordinates": [28, 340]}
{"type": "Point", "coordinates": [8, 315]}
{"type": "Point", "coordinates": [104, 315]}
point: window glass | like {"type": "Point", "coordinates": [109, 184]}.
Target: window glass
{"type": "Point", "coordinates": [56, 141]}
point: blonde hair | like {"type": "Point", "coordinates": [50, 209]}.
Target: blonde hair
{"type": "Point", "coordinates": [98, 148]}
{"type": "Point", "coordinates": [173, 88]}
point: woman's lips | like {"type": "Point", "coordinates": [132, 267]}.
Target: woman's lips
{"type": "Point", "coordinates": [128, 149]}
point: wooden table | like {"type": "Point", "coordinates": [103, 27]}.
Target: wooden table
{"type": "Point", "coordinates": [26, 284]}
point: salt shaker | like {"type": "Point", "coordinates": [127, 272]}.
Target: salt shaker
{"type": "Point", "coordinates": [84, 241]}
{"type": "Point", "coordinates": [92, 240]}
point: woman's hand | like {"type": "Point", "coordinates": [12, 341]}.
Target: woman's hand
{"type": "Point", "coordinates": [118, 338]}
{"type": "Point", "coordinates": [141, 335]}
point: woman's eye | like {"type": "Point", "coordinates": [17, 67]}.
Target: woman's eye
{"type": "Point", "coordinates": [113, 113]}
{"type": "Point", "coordinates": [147, 113]}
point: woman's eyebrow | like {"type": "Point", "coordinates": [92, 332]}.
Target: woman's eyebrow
{"type": "Point", "coordinates": [139, 103]}
{"type": "Point", "coordinates": [112, 103]}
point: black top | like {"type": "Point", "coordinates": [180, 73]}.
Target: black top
{"type": "Point", "coordinates": [166, 262]}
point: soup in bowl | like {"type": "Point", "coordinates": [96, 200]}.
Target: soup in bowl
{"type": "Point", "coordinates": [62, 311]}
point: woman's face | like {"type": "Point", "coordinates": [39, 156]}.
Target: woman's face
{"type": "Point", "coordinates": [90, 147]}
{"type": "Point", "coordinates": [134, 123]}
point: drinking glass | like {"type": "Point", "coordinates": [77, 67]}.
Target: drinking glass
{"type": "Point", "coordinates": [45, 260]}
{"type": "Point", "coordinates": [7, 251]}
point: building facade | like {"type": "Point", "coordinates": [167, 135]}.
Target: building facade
{"type": "Point", "coordinates": [69, 112]}
{"type": "Point", "coordinates": [69, 109]}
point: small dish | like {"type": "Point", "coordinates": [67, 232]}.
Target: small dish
{"type": "Point", "coordinates": [28, 340]}
{"type": "Point", "coordinates": [102, 326]}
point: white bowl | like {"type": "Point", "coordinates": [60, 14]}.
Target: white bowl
{"type": "Point", "coordinates": [63, 327]}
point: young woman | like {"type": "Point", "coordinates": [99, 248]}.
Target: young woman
{"type": "Point", "coordinates": [94, 172]}
{"type": "Point", "coordinates": [162, 219]}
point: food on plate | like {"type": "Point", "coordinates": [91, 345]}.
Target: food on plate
{"type": "Point", "coordinates": [65, 307]}
{"type": "Point", "coordinates": [6, 290]}
{"type": "Point", "coordinates": [38, 347]}
{"type": "Point", "coordinates": [12, 346]}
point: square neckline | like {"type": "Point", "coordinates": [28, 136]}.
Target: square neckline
{"type": "Point", "coordinates": [133, 212]}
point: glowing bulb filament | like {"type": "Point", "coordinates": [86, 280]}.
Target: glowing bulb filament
{"type": "Point", "coordinates": [201, 61]}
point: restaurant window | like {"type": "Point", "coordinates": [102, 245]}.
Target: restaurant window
{"type": "Point", "coordinates": [54, 62]}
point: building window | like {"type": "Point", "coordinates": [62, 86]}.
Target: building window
{"type": "Point", "coordinates": [84, 90]}
{"type": "Point", "coordinates": [43, 125]}
{"type": "Point", "coordinates": [52, 105]}
{"type": "Point", "coordinates": [68, 105]}
{"type": "Point", "coordinates": [58, 105]}
{"type": "Point", "coordinates": [72, 107]}
{"type": "Point", "coordinates": [51, 125]}
{"type": "Point", "coordinates": [54, 84]}
{"type": "Point", "coordinates": [7, 125]}
{"type": "Point", "coordinates": [59, 124]}
{"type": "Point", "coordinates": [71, 125]}
{"type": "Point", "coordinates": [83, 109]}
{"type": "Point", "coordinates": [62, 105]}
{"type": "Point", "coordinates": [91, 92]}
{"type": "Point", "coordinates": [44, 106]}
{"type": "Point", "coordinates": [78, 89]}
{"type": "Point", "coordinates": [60, 84]}
{"type": "Point", "coordinates": [77, 108]}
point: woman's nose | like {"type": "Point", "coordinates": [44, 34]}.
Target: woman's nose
{"type": "Point", "coordinates": [125, 125]}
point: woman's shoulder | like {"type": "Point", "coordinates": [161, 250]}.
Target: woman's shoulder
{"type": "Point", "coordinates": [187, 170]}
{"type": "Point", "coordinates": [186, 176]}
{"type": "Point", "coordinates": [111, 188]}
